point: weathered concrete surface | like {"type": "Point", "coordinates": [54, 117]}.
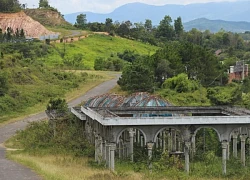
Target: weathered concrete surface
{"type": "Point", "coordinates": [10, 170]}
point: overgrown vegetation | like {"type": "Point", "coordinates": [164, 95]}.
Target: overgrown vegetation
{"type": "Point", "coordinates": [26, 81]}
{"type": "Point", "coordinates": [68, 148]}
{"type": "Point", "coordinates": [10, 6]}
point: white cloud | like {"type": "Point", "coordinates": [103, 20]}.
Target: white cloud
{"type": "Point", "coordinates": [101, 6]}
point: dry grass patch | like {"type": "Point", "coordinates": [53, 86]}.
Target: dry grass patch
{"type": "Point", "coordinates": [67, 168]}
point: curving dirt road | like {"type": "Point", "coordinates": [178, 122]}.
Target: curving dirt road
{"type": "Point", "coordinates": [10, 170]}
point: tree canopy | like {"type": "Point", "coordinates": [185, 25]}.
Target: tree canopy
{"type": "Point", "coordinates": [9, 6]}
{"type": "Point", "coordinates": [81, 21]}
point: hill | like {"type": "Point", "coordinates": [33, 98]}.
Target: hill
{"type": "Point", "coordinates": [20, 20]}
{"type": "Point", "coordinates": [95, 46]}
{"type": "Point", "coordinates": [203, 24]}
{"type": "Point", "coordinates": [48, 17]}
{"type": "Point", "coordinates": [138, 12]}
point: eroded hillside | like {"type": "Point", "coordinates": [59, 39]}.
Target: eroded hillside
{"type": "Point", "coordinates": [47, 17]}
{"type": "Point", "coordinates": [20, 20]}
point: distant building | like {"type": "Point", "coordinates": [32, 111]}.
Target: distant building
{"type": "Point", "coordinates": [237, 72]}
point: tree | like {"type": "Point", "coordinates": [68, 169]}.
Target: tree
{"type": "Point", "coordinates": [10, 6]}
{"type": "Point", "coordinates": [165, 29]}
{"type": "Point", "coordinates": [178, 27]}
{"type": "Point", "coordinates": [123, 30]}
{"type": "Point", "coordinates": [148, 25]}
{"type": "Point", "coordinates": [180, 84]}
{"type": "Point", "coordinates": [109, 25]}
{"type": "Point", "coordinates": [81, 21]}
{"type": "Point", "coordinates": [44, 4]}
{"type": "Point", "coordinates": [162, 71]}
{"type": "Point", "coordinates": [137, 77]}
{"type": "Point", "coordinates": [227, 95]}
{"type": "Point", "coordinates": [59, 105]}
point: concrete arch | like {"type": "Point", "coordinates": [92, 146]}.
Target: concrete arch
{"type": "Point", "coordinates": [235, 129]}
{"type": "Point", "coordinates": [161, 129]}
{"type": "Point", "coordinates": [120, 133]}
{"type": "Point", "coordinates": [210, 127]}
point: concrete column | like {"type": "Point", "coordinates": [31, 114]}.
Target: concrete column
{"type": "Point", "coordinates": [224, 157]}
{"type": "Point", "coordinates": [186, 153]}
{"type": "Point", "coordinates": [173, 133]}
{"type": "Point", "coordinates": [169, 141]}
{"type": "Point", "coordinates": [120, 148]}
{"type": "Point", "coordinates": [235, 136]}
{"type": "Point", "coordinates": [150, 150]}
{"type": "Point", "coordinates": [138, 136]}
{"type": "Point", "coordinates": [228, 150]}
{"type": "Point", "coordinates": [108, 155]}
{"type": "Point", "coordinates": [131, 143]}
{"type": "Point", "coordinates": [104, 150]}
{"type": "Point", "coordinates": [100, 149]}
{"type": "Point", "coordinates": [193, 150]}
{"type": "Point", "coordinates": [112, 156]}
{"type": "Point", "coordinates": [142, 141]}
{"type": "Point", "coordinates": [163, 141]}
{"type": "Point", "coordinates": [96, 146]}
{"type": "Point", "coordinates": [157, 142]}
{"type": "Point", "coordinates": [124, 150]}
{"type": "Point", "coordinates": [243, 149]}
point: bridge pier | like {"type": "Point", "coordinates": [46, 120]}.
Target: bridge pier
{"type": "Point", "coordinates": [186, 153]}
{"type": "Point", "coordinates": [163, 141]}
{"type": "Point", "coordinates": [193, 146]}
{"type": "Point", "coordinates": [228, 150]}
{"type": "Point", "coordinates": [96, 146]}
{"type": "Point", "coordinates": [99, 150]}
{"type": "Point", "coordinates": [224, 157]}
{"type": "Point", "coordinates": [235, 136]}
{"type": "Point", "coordinates": [131, 144]}
{"type": "Point", "coordinates": [104, 150]}
{"type": "Point", "coordinates": [108, 155]}
{"type": "Point", "coordinates": [243, 149]}
{"type": "Point", "coordinates": [150, 148]}
{"type": "Point", "coordinates": [112, 156]}
{"type": "Point", "coordinates": [173, 133]}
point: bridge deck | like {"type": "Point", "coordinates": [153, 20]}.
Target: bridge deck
{"type": "Point", "coordinates": [110, 116]}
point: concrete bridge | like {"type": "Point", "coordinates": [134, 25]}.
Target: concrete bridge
{"type": "Point", "coordinates": [115, 130]}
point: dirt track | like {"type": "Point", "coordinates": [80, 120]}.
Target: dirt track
{"type": "Point", "coordinates": [10, 170]}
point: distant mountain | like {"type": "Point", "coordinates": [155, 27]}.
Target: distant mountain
{"type": "Point", "coordinates": [138, 12]}
{"type": "Point", "coordinates": [216, 25]}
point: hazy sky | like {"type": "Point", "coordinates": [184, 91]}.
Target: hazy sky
{"type": "Point", "coordinates": [104, 6]}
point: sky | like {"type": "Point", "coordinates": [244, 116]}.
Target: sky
{"type": "Point", "coordinates": [104, 6]}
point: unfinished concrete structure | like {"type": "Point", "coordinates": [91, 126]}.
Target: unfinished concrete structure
{"type": "Point", "coordinates": [114, 124]}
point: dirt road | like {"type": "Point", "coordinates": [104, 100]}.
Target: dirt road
{"type": "Point", "coordinates": [10, 170]}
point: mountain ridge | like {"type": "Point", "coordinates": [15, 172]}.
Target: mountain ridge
{"type": "Point", "coordinates": [203, 24]}
{"type": "Point", "coordinates": [138, 12]}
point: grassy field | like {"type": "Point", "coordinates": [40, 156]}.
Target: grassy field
{"type": "Point", "coordinates": [97, 46]}
{"type": "Point", "coordinates": [98, 77]}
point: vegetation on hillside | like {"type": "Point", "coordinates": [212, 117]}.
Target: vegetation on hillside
{"type": "Point", "coordinates": [82, 54]}
{"type": "Point", "coordinates": [26, 82]}
{"type": "Point", "coordinates": [10, 6]}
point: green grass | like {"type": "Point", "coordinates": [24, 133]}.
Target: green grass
{"type": "Point", "coordinates": [43, 91]}
{"type": "Point", "coordinates": [97, 46]}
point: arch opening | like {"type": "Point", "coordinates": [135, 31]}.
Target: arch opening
{"type": "Point", "coordinates": [207, 143]}
{"type": "Point", "coordinates": [168, 139]}
{"type": "Point", "coordinates": [131, 144]}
